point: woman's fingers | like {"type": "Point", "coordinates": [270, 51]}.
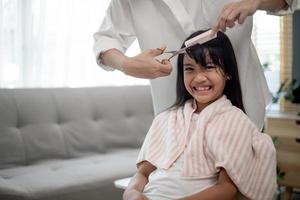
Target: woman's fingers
{"type": "Point", "coordinates": [232, 12]}
{"type": "Point", "coordinates": [242, 18]}
{"type": "Point", "coordinates": [157, 51]}
{"type": "Point", "coordinates": [165, 66]}
{"type": "Point", "coordinates": [224, 17]}
{"type": "Point", "coordinates": [233, 17]}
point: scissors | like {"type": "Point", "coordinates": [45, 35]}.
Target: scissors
{"type": "Point", "coordinates": [199, 39]}
{"type": "Point", "coordinates": [175, 53]}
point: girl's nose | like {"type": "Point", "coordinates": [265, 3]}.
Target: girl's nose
{"type": "Point", "coordinates": [200, 76]}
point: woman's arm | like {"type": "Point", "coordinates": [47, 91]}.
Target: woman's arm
{"type": "Point", "coordinates": [225, 189]}
{"type": "Point", "coordinates": [143, 65]}
{"type": "Point", "coordinates": [272, 5]}
{"type": "Point", "coordinates": [139, 180]}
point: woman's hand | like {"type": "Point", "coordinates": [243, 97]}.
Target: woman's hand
{"type": "Point", "coordinates": [236, 11]}
{"type": "Point", "coordinates": [240, 10]}
{"type": "Point", "coordinates": [145, 65]}
{"type": "Point", "coordinates": [133, 195]}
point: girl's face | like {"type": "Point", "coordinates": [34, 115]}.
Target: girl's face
{"type": "Point", "coordinates": [205, 84]}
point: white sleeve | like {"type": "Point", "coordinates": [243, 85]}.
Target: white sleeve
{"type": "Point", "coordinates": [292, 6]}
{"type": "Point", "coordinates": [116, 30]}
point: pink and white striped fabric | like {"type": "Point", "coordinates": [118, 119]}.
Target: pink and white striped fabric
{"type": "Point", "coordinates": [224, 137]}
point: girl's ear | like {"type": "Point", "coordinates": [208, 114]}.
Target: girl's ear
{"type": "Point", "coordinates": [228, 77]}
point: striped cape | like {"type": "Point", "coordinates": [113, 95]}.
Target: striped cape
{"type": "Point", "coordinates": [224, 137]}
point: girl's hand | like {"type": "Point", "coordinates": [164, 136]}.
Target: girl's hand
{"type": "Point", "coordinates": [133, 195]}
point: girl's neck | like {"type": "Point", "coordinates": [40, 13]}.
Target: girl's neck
{"type": "Point", "coordinates": [202, 106]}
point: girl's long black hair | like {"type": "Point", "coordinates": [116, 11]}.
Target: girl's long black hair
{"type": "Point", "coordinates": [222, 54]}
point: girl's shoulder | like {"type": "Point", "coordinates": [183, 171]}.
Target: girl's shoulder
{"type": "Point", "coordinates": [235, 111]}
{"type": "Point", "coordinates": [233, 124]}
{"type": "Point", "coordinates": [234, 116]}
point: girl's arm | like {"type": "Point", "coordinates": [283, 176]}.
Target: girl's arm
{"type": "Point", "coordinates": [138, 181]}
{"type": "Point", "coordinates": [225, 189]}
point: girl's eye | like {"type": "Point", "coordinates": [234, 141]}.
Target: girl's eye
{"type": "Point", "coordinates": [188, 69]}
{"type": "Point", "coordinates": [210, 66]}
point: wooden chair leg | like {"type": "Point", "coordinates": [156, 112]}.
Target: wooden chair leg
{"type": "Point", "coordinates": [288, 193]}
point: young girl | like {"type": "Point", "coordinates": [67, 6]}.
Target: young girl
{"type": "Point", "coordinates": [205, 147]}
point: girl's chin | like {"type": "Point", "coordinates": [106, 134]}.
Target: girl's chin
{"type": "Point", "coordinates": [204, 98]}
{"type": "Point", "coordinates": [203, 94]}
{"type": "Point", "coordinates": [203, 101]}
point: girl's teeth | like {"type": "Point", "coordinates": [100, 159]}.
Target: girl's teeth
{"type": "Point", "coordinates": [202, 88]}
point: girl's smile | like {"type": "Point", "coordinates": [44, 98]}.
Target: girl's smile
{"type": "Point", "coordinates": [202, 89]}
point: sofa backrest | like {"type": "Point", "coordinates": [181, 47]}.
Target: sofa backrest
{"type": "Point", "coordinates": [62, 123]}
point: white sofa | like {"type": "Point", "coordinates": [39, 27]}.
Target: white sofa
{"type": "Point", "coordinates": [70, 143]}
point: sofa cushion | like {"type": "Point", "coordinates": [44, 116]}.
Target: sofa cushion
{"type": "Point", "coordinates": [53, 179]}
{"type": "Point", "coordinates": [58, 123]}
{"type": "Point", "coordinates": [124, 115]}
{"type": "Point", "coordinates": [11, 141]}
{"type": "Point", "coordinates": [11, 147]}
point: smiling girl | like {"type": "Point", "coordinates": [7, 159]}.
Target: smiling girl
{"type": "Point", "coordinates": [205, 147]}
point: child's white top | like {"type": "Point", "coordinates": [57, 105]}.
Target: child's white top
{"type": "Point", "coordinates": [166, 184]}
{"type": "Point", "coordinates": [224, 137]}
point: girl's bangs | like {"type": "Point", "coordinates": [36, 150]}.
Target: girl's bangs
{"type": "Point", "coordinates": [207, 53]}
